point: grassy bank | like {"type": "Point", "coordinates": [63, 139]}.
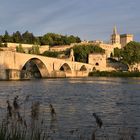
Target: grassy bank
{"type": "Point", "coordinates": [114, 74]}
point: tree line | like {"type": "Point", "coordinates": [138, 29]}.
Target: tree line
{"type": "Point", "coordinates": [51, 39]}
{"type": "Point", "coordinates": [81, 52]}
{"type": "Point", "coordinates": [33, 50]}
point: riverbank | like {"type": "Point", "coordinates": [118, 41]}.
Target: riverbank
{"type": "Point", "coordinates": [114, 74]}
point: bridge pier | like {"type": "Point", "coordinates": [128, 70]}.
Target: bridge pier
{"type": "Point", "coordinates": [3, 75]}
{"type": "Point", "coordinates": [10, 74]}
{"type": "Point", "coordinates": [77, 73]}
{"type": "Point", "coordinates": [62, 74]}
{"type": "Point", "coordinates": [13, 74]}
{"type": "Point", "coordinates": [57, 74]}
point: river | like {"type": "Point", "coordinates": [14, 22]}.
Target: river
{"type": "Point", "coordinates": [115, 100]}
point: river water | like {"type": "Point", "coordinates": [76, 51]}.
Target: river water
{"type": "Point", "coordinates": [115, 100]}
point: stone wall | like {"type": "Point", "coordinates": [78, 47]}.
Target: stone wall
{"type": "Point", "coordinates": [60, 48]}
{"type": "Point", "coordinates": [26, 47]}
{"type": "Point", "coordinates": [109, 48]}
{"type": "Point", "coordinates": [135, 67]}
{"type": "Point", "coordinates": [44, 48]}
{"type": "Point", "coordinates": [98, 61]}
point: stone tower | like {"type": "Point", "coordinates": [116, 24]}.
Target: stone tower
{"type": "Point", "coordinates": [115, 37]}
{"type": "Point", "coordinates": [125, 38]}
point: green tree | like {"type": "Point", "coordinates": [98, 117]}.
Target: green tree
{"type": "Point", "coordinates": [1, 38]}
{"type": "Point", "coordinates": [34, 49]}
{"type": "Point", "coordinates": [28, 38]}
{"type": "Point", "coordinates": [1, 45]}
{"type": "Point", "coordinates": [117, 53]}
{"type": "Point", "coordinates": [37, 40]}
{"type": "Point", "coordinates": [81, 52]}
{"type": "Point", "coordinates": [53, 39]}
{"type": "Point", "coordinates": [131, 53]}
{"type": "Point", "coordinates": [20, 49]}
{"type": "Point", "coordinates": [73, 39]}
{"type": "Point", "coordinates": [17, 37]}
{"type": "Point", "coordinates": [7, 37]}
{"type": "Point", "coordinates": [47, 40]}
{"type": "Point", "coordinates": [51, 54]}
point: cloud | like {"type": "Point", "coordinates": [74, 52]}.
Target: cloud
{"type": "Point", "coordinates": [89, 19]}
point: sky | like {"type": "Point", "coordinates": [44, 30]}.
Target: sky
{"type": "Point", "coordinates": [88, 19]}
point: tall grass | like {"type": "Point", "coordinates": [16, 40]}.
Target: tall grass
{"type": "Point", "coordinates": [14, 126]}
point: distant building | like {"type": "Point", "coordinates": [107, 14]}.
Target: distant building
{"type": "Point", "coordinates": [98, 60]}
{"type": "Point", "coordinates": [116, 41]}
{"type": "Point", "coordinates": [122, 39]}
{"type": "Point", "coordinates": [115, 37]}
{"type": "Point", "coordinates": [125, 38]}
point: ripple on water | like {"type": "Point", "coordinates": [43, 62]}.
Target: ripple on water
{"type": "Point", "coordinates": [115, 100]}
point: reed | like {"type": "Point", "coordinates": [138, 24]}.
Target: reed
{"type": "Point", "coordinates": [14, 126]}
{"type": "Point", "coordinates": [18, 125]}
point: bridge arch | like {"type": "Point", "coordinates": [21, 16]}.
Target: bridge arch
{"type": "Point", "coordinates": [65, 67]}
{"type": "Point", "coordinates": [34, 67]}
{"type": "Point", "coordinates": [83, 68]}
{"type": "Point", "coordinates": [94, 69]}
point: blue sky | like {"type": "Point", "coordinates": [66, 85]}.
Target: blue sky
{"type": "Point", "coordinates": [88, 19]}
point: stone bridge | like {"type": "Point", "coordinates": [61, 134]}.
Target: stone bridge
{"type": "Point", "coordinates": [15, 65]}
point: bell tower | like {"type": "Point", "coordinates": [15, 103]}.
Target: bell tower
{"type": "Point", "coordinates": [115, 37]}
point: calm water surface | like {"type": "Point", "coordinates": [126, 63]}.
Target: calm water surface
{"type": "Point", "coordinates": [115, 100]}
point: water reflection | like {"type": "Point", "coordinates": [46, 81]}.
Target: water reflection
{"type": "Point", "coordinates": [115, 100]}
